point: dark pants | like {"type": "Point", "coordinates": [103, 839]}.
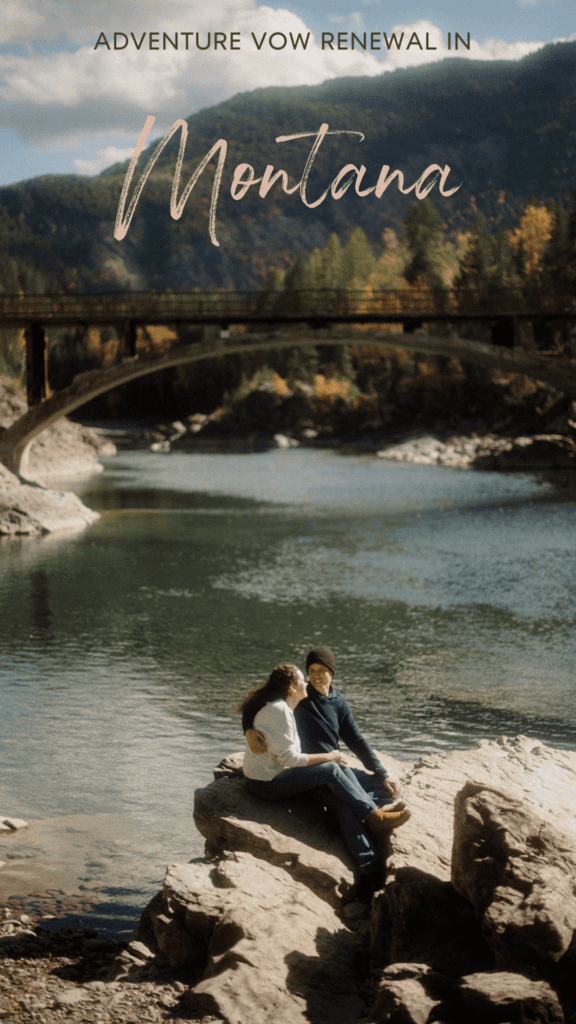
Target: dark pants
{"type": "Point", "coordinates": [351, 795]}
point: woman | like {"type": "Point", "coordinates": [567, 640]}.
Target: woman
{"type": "Point", "coordinates": [284, 771]}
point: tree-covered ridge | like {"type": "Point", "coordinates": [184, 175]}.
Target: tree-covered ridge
{"type": "Point", "coordinates": [507, 129]}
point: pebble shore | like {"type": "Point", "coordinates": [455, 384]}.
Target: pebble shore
{"type": "Point", "coordinates": [48, 975]}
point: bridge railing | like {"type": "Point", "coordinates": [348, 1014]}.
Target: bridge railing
{"type": "Point", "coordinates": [292, 305]}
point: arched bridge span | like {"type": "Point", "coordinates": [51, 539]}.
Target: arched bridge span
{"type": "Point", "coordinates": [15, 441]}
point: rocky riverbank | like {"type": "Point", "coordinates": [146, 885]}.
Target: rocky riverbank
{"type": "Point", "coordinates": [63, 451]}
{"type": "Point", "coordinates": [474, 921]}
{"type": "Point", "coordinates": [537, 453]}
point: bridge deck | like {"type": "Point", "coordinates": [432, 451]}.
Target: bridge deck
{"type": "Point", "coordinates": [322, 307]}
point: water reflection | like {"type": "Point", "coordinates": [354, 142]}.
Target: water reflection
{"type": "Point", "coordinates": [41, 613]}
{"type": "Point", "coordinates": [448, 598]}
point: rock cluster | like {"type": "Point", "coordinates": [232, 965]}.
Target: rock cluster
{"type": "Point", "coordinates": [529, 454]}
{"type": "Point", "coordinates": [475, 920]}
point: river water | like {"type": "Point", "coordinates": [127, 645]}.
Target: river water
{"type": "Point", "coordinates": [447, 596]}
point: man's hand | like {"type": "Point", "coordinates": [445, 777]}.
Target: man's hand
{"type": "Point", "coordinates": [256, 740]}
{"type": "Point", "coordinates": [392, 787]}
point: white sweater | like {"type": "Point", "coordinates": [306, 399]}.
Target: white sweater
{"type": "Point", "coordinates": [277, 721]}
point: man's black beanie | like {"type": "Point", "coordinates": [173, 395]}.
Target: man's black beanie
{"type": "Point", "coordinates": [321, 656]}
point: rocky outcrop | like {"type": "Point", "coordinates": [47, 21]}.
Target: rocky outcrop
{"type": "Point", "coordinates": [474, 921]}
{"type": "Point", "coordinates": [414, 994]}
{"type": "Point", "coordinates": [61, 451]}
{"type": "Point", "coordinates": [292, 834]}
{"type": "Point", "coordinates": [32, 510]}
{"type": "Point", "coordinates": [262, 947]}
{"type": "Point", "coordinates": [536, 453]}
{"type": "Point", "coordinates": [67, 450]}
{"type": "Point", "coordinates": [519, 873]}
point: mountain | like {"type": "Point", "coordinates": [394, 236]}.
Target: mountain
{"type": "Point", "coordinates": [506, 129]}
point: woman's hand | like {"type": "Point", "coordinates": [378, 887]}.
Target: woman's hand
{"type": "Point", "coordinates": [339, 758]}
{"type": "Point", "coordinates": [256, 740]}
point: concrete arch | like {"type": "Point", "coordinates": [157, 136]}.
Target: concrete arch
{"type": "Point", "coordinates": [16, 440]}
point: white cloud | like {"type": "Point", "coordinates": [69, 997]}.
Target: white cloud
{"type": "Point", "coordinates": [81, 96]}
{"type": "Point", "coordinates": [430, 35]}
{"type": "Point", "coordinates": [64, 92]}
{"type": "Point", "coordinates": [104, 158]}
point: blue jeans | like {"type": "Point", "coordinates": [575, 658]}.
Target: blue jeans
{"type": "Point", "coordinates": [353, 832]}
{"type": "Point", "coordinates": [335, 787]}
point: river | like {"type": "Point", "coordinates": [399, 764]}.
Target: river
{"type": "Point", "coordinates": [447, 597]}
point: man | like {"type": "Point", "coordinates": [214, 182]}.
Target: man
{"type": "Point", "coordinates": [323, 718]}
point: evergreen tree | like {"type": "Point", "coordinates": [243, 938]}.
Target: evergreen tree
{"type": "Point", "coordinates": [333, 264]}
{"type": "Point", "coordinates": [476, 265]}
{"type": "Point", "coordinates": [423, 229]}
{"type": "Point", "coordinates": [503, 274]}
{"type": "Point", "coordinates": [358, 259]}
{"type": "Point", "coordinates": [297, 277]}
{"type": "Point", "coordinates": [558, 260]}
{"type": "Point", "coordinates": [315, 270]}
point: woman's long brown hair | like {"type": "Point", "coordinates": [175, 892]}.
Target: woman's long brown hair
{"type": "Point", "coordinates": [276, 687]}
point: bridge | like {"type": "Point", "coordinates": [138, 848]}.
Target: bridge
{"type": "Point", "coordinates": [320, 317]}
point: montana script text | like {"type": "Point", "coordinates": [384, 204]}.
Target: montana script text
{"type": "Point", "coordinates": [244, 178]}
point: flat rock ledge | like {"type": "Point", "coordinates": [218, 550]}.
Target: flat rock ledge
{"type": "Point", "coordinates": [536, 453]}
{"type": "Point", "coordinates": [474, 921]}
{"type": "Point", "coordinates": [29, 509]}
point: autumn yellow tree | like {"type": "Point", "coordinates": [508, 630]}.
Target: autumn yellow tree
{"type": "Point", "coordinates": [530, 239]}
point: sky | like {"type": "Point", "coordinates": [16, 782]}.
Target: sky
{"type": "Point", "coordinates": [78, 78]}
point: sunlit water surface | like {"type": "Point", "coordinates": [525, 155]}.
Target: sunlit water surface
{"type": "Point", "coordinates": [448, 598]}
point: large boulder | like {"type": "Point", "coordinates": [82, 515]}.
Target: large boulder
{"type": "Point", "coordinates": [296, 834]}
{"type": "Point", "coordinates": [259, 932]}
{"type": "Point", "coordinates": [29, 509]}
{"type": "Point", "coordinates": [519, 873]}
{"type": "Point", "coordinates": [257, 945]}
{"type": "Point", "coordinates": [490, 998]}
{"type": "Point", "coordinates": [412, 993]}
{"type": "Point", "coordinates": [420, 917]}
{"type": "Point", "coordinates": [541, 777]}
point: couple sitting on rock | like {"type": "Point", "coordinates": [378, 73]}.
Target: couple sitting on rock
{"type": "Point", "coordinates": [292, 733]}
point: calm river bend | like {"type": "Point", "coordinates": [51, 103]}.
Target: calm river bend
{"type": "Point", "coordinates": [447, 596]}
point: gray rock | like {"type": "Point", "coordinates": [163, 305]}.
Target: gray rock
{"type": "Point", "coordinates": [529, 454]}
{"type": "Point", "coordinates": [27, 509]}
{"type": "Point", "coordinates": [61, 451]}
{"type": "Point", "coordinates": [420, 919]}
{"type": "Point", "coordinates": [294, 835]}
{"type": "Point", "coordinates": [257, 932]}
{"type": "Point", "coordinates": [70, 997]}
{"type": "Point", "coordinates": [540, 452]}
{"type": "Point", "coordinates": [262, 947]}
{"type": "Point", "coordinates": [494, 997]}
{"type": "Point", "coordinates": [409, 994]}
{"type": "Point", "coordinates": [13, 823]}
{"type": "Point", "coordinates": [539, 776]}
{"type": "Point", "coordinates": [413, 994]}
{"type": "Point", "coordinates": [519, 873]}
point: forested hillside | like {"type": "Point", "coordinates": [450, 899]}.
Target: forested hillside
{"type": "Point", "coordinates": [506, 129]}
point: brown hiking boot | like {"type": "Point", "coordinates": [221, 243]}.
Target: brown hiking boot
{"type": "Point", "coordinates": [396, 805]}
{"type": "Point", "coordinates": [382, 820]}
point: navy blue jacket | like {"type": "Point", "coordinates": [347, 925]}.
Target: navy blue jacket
{"type": "Point", "coordinates": [322, 722]}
